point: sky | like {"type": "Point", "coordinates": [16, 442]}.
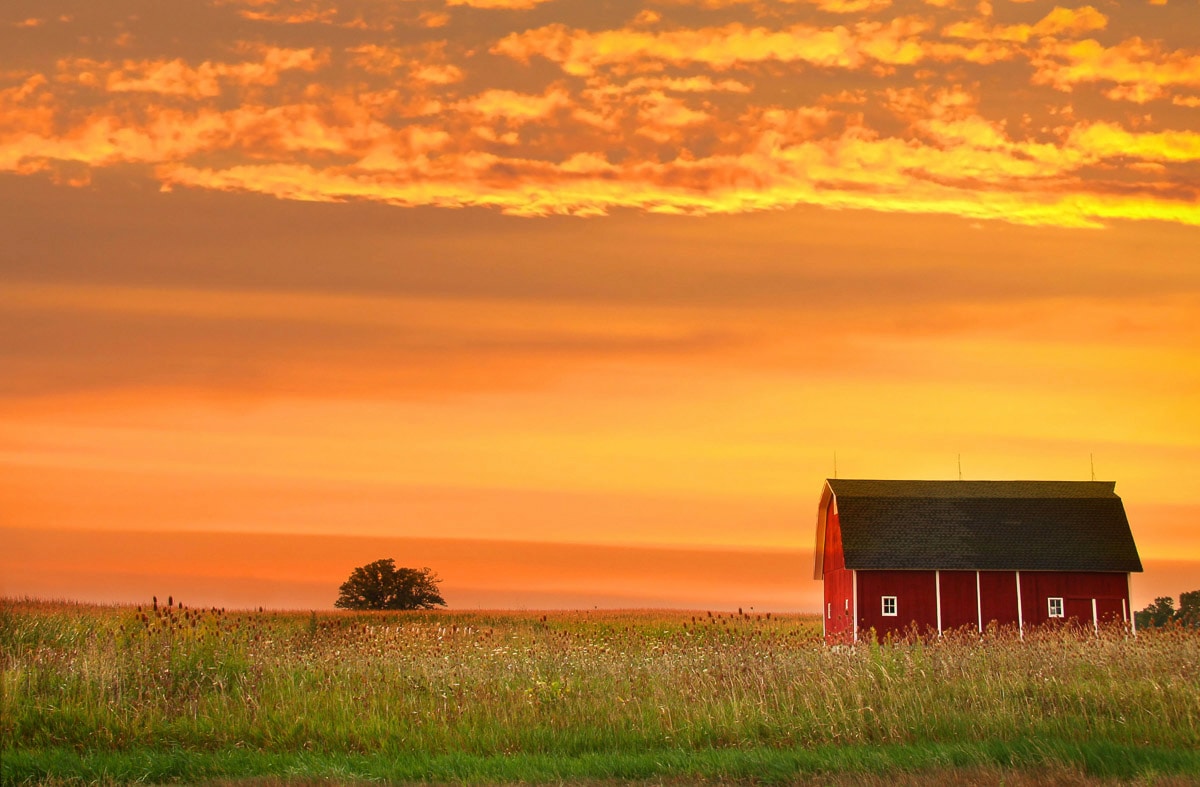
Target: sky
{"type": "Point", "coordinates": [578, 302]}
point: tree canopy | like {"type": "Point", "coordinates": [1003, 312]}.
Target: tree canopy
{"type": "Point", "coordinates": [1163, 612]}
{"type": "Point", "coordinates": [380, 585]}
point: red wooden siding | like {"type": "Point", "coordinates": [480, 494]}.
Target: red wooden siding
{"type": "Point", "coordinates": [916, 601]}
{"type": "Point", "coordinates": [1076, 589]}
{"type": "Point", "coordinates": [916, 598]}
{"type": "Point", "coordinates": [998, 593]}
{"type": "Point", "coordinates": [959, 608]}
{"type": "Point", "coordinates": [839, 603]}
{"type": "Point", "coordinates": [834, 558]}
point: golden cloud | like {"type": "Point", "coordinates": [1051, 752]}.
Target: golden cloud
{"type": "Point", "coordinates": [656, 116]}
{"type": "Point", "coordinates": [1144, 69]}
{"type": "Point", "coordinates": [516, 108]}
{"type": "Point", "coordinates": [1060, 21]}
{"type": "Point", "coordinates": [177, 78]}
{"type": "Point", "coordinates": [515, 5]}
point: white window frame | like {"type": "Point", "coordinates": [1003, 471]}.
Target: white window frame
{"type": "Point", "coordinates": [895, 606]}
{"type": "Point", "coordinates": [1054, 607]}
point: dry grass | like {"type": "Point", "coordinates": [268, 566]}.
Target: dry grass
{"type": "Point", "coordinates": [567, 692]}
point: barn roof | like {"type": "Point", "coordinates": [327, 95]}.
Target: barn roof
{"type": "Point", "coordinates": [984, 525]}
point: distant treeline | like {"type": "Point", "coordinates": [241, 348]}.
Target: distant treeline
{"type": "Point", "coordinates": [1163, 613]}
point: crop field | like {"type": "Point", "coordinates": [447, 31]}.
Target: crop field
{"type": "Point", "coordinates": [107, 694]}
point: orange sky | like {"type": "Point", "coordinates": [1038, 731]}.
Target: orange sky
{"type": "Point", "coordinates": [576, 301]}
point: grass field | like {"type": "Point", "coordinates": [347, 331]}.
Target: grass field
{"type": "Point", "coordinates": [120, 694]}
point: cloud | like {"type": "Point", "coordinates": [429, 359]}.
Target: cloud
{"type": "Point", "coordinates": [177, 78]}
{"type": "Point", "coordinates": [424, 64]}
{"type": "Point", "coordinates": [897, 42]}
{"type": "Point", "coordinates": [223, 340]}
{"type": "Point", "coordinates": [307, 16]}
{"type": "Point", "coordinates": [1140, 70]}
{"type": "Point", "coordinates": [1060, 21]}
{"type": "Point", "coordinates": [693, 84]}
{"type": "Point", "coordinates": [1108, 140]}
{"type": "Point", "coordinates": [515, 5]}
{"type": "Point", "coordinates": [580, 52]}
{"type": "Point", "coordinates": [972, 170]}
{"type": "Point", "coordinates": [515, 108]}
{"type": "Point", "coordinates": [761, 9]}
{"type": "Point", "coordinates": [658, 116]}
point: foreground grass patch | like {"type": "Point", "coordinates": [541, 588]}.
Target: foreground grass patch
{"type": "Point", "coordinates": [118, 694]}
{"type": "Point", "coordinates": [768, 766]}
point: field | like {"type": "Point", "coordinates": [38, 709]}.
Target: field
{"type": "Point", "coordinates": [121, 694]}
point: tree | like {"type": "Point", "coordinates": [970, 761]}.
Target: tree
{"type": "Point", "coordinates": [380, 585]}
{"type": "Point", "coordinates": [1189, 608]}
{"type": "Point", "coordinates": [1158, 614]}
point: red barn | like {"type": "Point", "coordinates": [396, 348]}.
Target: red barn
{"type": "Point", "coordinates": [942, 555]}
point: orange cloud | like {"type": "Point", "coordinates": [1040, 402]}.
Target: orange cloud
{"type": "Point", "coordinates": [828, 6]}
{"type": "Point", "coordinates": [1143, 71]}
{"type": "Point", "coordinates": [178, 78]}
{"type": "Point", "coordinates": [667, 118]}
{"type": "Point", "coordinates": [306, 16]}
{"type": "Point", "coordinates": [580, 52]}
{"type": "Point", "coordinates": [516, 108]}
{"type": "Point", "coordinates": [515, 5]}
{"type": "Point", "coordinates": [423, 64]}
{"type": "Point", "coordinates": [899, 41]}
{"type": "Point", "coordinates": [1068, 21]}
{"type": "Point", "coordinates": [1108, 140]}
{"type": "Point", "coordinates": [660, 117]}
{"type": "Point", "coordinates": [849, 171]}
{"type": "Point", "coordinates": [695, 84]}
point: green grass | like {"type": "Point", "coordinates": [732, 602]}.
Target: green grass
{"type": "Point", "coordinates": [762, 765]}
{"type": "Point", "coordinates": [114, 694]}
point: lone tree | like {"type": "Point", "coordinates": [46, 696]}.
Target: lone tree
{"type": "Point", "coordinates": [380, 585]}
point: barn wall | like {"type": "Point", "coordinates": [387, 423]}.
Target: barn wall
{"type": "Point", "coordinates": [998, 596]}
{"type": "Point", "coordinates": [916, 601]}
{"type": "Point", "coordinates": [839, 605]}
{"type": "Point", "coordinates": [834, 557]}
{"type": "Point", "coordinates": [916, 595]}
{"type": "Point", "coordinates": [959, 606]}
{"type": "Point", "coordinates": [838, 582]}
{"type": "Point", "coordinates": [1077, 589]}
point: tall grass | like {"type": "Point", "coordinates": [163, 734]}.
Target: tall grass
{"type": "Point", "coordinates": [600, 686]}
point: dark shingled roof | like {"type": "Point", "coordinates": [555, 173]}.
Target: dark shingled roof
{"type": "Point", "coordinates": [984, 525]}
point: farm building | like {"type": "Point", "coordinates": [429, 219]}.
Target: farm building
{"type": "Point", "coordinates": [942, 555]}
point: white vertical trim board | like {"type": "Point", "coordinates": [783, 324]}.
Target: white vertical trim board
{"type": "Point", "coordinates": [854, 595]}
{"type": "Point", "coordinates": [978, 602]}
{"type": "Point", "coordinates": [1129, 594]}
{"type": "Point", "coordinates": [937, 588]}
{"type": "Point", "coordinates": [1095, 617]}
{"type": "Point", "coordinates": [1020, 612]}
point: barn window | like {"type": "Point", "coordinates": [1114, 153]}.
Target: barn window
{"type": "Point", "coordinates": [889, 605]}
{"type": "Point", "coordinates": [1056, 607]}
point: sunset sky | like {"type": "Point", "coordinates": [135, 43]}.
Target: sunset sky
{"type": "Point", "coordinates": [575, 301]}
